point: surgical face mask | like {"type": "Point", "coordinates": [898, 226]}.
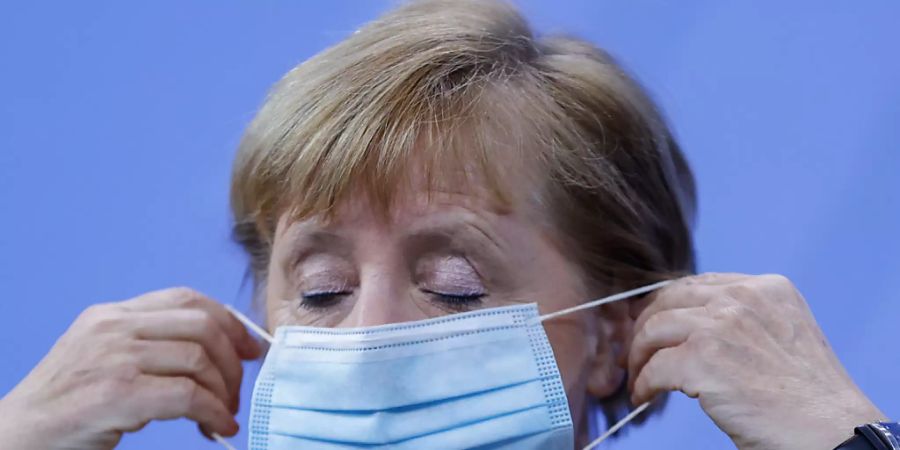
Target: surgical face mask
{"type": "Point", "coordinates": [483, 379]}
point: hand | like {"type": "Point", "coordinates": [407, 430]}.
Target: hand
{"type": "Point", "coordinates": [167, 354]}
{"type": "Point", "coordinates": [750, 350]}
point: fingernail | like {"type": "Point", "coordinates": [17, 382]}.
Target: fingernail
{"type": "Point", "coordinates": [230, 430]}
{"type": "Point", "coordinates": [251, 348]}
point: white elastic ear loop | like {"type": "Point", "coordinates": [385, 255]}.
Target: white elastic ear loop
{"type": "Point", "coordinates": [250, 324]}
{"type": "Point", "coordinates": [261, 333]}
{"type": "Point", "coordinates": [612, 430]}
{"type": "Point", "coordinates": [222, 441]}
{"type": "Point", "coordinates": [610, 299]}
{"type": "Point", "coordinates": [603, 301]}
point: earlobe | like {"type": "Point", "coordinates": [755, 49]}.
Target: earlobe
{"type": "Point", "coordinates": [605, 378]}
{"type": "Point", "coordinates": [606, 374]}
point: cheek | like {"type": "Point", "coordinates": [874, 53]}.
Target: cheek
{"type": "Point", "coordinates": [570, 346]}
{"type": "Point", "coordinates": [573, 348]}
{"type": "Point", "coordinates": [279, 314]}
{"type": "Point", "coordinates": [278, 309]}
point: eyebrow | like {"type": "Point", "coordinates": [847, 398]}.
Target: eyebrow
{"type": "Point", "coordinates": [306, 239]}
{"type": "Point", "coordinates": [467, 237]}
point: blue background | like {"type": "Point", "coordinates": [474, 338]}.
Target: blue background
{"type": "Point", "coordinates": [118, 122]}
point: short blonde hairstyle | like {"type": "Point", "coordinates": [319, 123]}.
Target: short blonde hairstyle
{"type": "Point", "coordinates": [463, 88]}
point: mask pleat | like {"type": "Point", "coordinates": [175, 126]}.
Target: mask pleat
{"type": "Point", "coordinates": [460, 381]}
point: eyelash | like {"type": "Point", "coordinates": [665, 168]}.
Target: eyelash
{"type": "Point", "coordinates": [456, 300]}
{"type": "Point", "coordinates": [317, 301]}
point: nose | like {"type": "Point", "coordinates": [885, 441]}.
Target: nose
{"type": "Point", "coordinates": [383, 298]}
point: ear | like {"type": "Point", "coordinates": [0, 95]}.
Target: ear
{"type": "Point", "coordinates": [606, 373]}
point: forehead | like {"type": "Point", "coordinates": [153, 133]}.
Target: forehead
{"type": "Point", "coordinates": [420, 203]}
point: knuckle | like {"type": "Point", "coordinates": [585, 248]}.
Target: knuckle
{"type": "Point", "coordinates": [776, 280]}
{"type": "Point", "coordinates": [109, 392]}
{"type": "Point", "coordinates": [126, 372]}
{"type": "Point", "coordinates": [703, 342]}
{"type": "Point", "coordinates": [707, 276]}
{"type": "Point", "coordinates": [117, 386]}
{"type": "Point", "coordinates": [653, 322]}
{"type": "Point", "coordinates": [718, 309]}
{"type": "Point", "coordinates": [93, 312]}
{"type": "Point", "coordinates": [695, 278]}
{"type": "Point", "coordinates": [651, 325]}
{"type": "Point", "coordinates": [135, 349]}
{"type": "Point", "coordinates": [101, 318]}
{"type": "Point", "coordinates": [779, 285]}
{"type": "Point", "coordinates": [735, 318]}
{"type": "Point", "coordinates": [185, 393]}
{"type": "Point", "coordinates": [195, 358]}
{"type": "Point", "coordinates": [183, 296]}
{"type": "Point", "coordinates": [732, 314]}
{"type": "Point", "coordinates": [741, 292]}
{"type": "Point", "coordinates": [207, 325]}
{"type": "Point", "coordinates": [638, 343]}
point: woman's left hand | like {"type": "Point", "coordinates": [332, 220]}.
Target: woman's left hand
{"type": "Point", "coordinates": [750, 350]}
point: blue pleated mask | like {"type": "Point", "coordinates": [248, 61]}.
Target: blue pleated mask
{"type": "Point", "coordinates": [484, 379]}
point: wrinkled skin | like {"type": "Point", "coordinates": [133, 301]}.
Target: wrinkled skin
{"type": "Point", "coordinates": [747, 347]}
{"type": "Point", "coordinates": [163, 355]}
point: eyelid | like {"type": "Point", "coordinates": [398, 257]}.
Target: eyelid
{"type": "Point", "coordinates": [490, 265]}
{"type": "Point", "coordinates": [467, 294]}
{"type": "Point", "coordinates": [304, 244]}
{"type": "Point", "coordinates": [322, 300]}
{"type": "Point", "coordinates": [451, 271]}
{"type": "Point", "coordinates": [327, 291]}
{"type": "Point", "coordinates": [456, 303]}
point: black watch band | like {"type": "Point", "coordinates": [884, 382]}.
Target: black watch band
{"type": "Point", "coordinates": [874, 436]}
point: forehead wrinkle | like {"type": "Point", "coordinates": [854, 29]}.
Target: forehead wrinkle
{"type": "Point", "coordinates": [460, 227]}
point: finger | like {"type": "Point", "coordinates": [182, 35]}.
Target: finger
{"type": "Point", "coordinates": [183, 358]}
{"type": "Point", "coordinates": [162, 398]}
{"type": "Point", "coordinates": [688, 292]}
{"type": "Point", "coordinates": [667, 370]}
{"type": "Point", "coordinates": [677, 294]}
{"type": "Point", "coordinates": [715, 278]}
{"type": "Point", "coordinates": [185, 298]}
{"type": "Point", "coordinates": [664, 329]}
{"type": "Point", "coordinates": [199, 327]}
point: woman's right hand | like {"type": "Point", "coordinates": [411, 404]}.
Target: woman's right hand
{"type": "Point", "coordinates": [163, 355]}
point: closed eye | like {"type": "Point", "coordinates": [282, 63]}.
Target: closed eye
{"type": "Point", "coordinates": [317, 300]}
{"type": "Point", "coordinates": [456, 300]}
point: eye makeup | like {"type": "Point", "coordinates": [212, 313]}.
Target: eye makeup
{"type": "Point", "coordinates": [460, 255]}
{"type": "Point", "coordinates": [453, 264]}
{"type": "Point", "coordinates": [322, 281]}
{"type": "Point", "coordinates": [449, 280]}
{"type": "Point", "coordinates": [308, 243]}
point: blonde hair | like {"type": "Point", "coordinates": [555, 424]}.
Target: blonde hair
{"type": "Point", "coordinates": [454, 88]}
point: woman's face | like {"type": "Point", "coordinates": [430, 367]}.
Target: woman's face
{"type": "Point", "coordinates": [436, 254]}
